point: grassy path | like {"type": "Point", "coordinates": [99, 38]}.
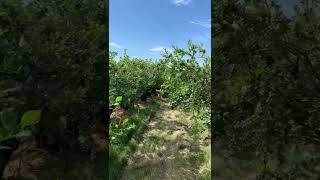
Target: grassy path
{"type": "Point", "coordinates": [169, 150]}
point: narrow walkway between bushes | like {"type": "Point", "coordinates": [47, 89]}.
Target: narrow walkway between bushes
{"type": "Point", "coordinates": [168, 151]}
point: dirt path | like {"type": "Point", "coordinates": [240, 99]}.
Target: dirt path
{"type": "Point", "coordinates": [167, 150]}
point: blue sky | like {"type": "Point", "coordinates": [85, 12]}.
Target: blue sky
{"type": "Point", "coordinates": [144, 27]}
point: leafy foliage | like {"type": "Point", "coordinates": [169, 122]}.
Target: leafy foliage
{"type": "Point", "coordinates": [131, 79]}
{"type": "Point", "coordinates": [265, 80]}
{"type": "Point", "coordinates": [52, 58]}
{"type": "Point", "coordinates": [177, 76]}
{"type": "Point", "coordinates": [184, 80]}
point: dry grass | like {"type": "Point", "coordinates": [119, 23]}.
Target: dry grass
{"type": "Point", "coordinates": [167, 150]}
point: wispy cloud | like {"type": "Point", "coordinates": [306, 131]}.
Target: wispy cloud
{"type": "Point", "coordinates": [115, 45]}
{"type": "Point", "coordinates": [206, 24]}
{"type": "Point", "coordinates": [181, 2]}
{"type": "Point", "coordinates": [160, 49]}
{"type": "Point", "coordinates": [201, 38]}
{"type": "Point", "coordinates": [157, 49]}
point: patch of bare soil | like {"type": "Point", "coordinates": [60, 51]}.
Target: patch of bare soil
{"type": "Point", "coordinates": [30, 162]}
{"type": "Point", "coordinates": [27, 161]}
{"type": "Point", "coordinates": [118, 113]}
{"type": "Point", "coordinates": [167, 150]}
{"type": "Point", "coordinates": [143, 104]}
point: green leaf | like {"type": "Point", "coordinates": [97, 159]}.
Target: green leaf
{"type": "Point", "coordinates": [118, 99]}
{"type": "Point", "coordinates": [125, 121]}
{"type": "Point", "coordinates": [30, 118]}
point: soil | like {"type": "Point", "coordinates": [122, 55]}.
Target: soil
{"type": "Point", "coordinates": [120, 113]}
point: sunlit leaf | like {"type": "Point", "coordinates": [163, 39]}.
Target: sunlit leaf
{"type": "Point", "coordinates": [118, 99]}
{"type": "Point", "coordinates": [30, 118]}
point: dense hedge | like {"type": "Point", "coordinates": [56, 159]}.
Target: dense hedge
{"type": "Point", "coordinates": [177, 76]}
{"type": "Point", "coordinates": [266, 85]}
{"type": "Point", "coordinates": [52, 60]}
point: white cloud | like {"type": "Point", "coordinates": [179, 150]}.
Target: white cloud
{"type": "Point", "coordinates": [206, 24]}
{"type": "Point", "coordinates": [202, 38]}
{"type": "Point", "coordinates": [157, 49]}
{"type": "Point", "coordinates": [115, 45]}
{"type": "Point", "coordinates": [160, 49]}
{"type": "Point", "coordinates": [181, 2]}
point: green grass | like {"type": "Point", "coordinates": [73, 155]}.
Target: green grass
{"type": "Point", "coordinates": [125, 136]}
